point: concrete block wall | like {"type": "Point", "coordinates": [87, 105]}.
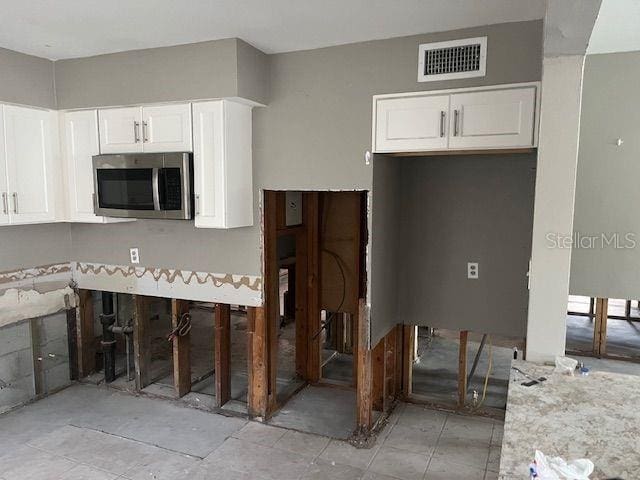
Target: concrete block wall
{"type": "Point", "coordinates": [16, 365]}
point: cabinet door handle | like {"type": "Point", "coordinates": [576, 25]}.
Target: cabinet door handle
{"type": "Point", "coordinates": [15, 202]}
{"type": "Point", "coordinates": [456, 115]}
{"type": "Point", "coordinates": [136, 131]}
{"type": "Point", "coordinates": [442, 117]}
{"type": "Point", "coordinates": [5, 206]}
{"type": "Point", "coordinates": [197, 201]}
{"type": "Point", "coordinates": [145, 137]}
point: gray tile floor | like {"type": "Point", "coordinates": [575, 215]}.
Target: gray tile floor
{"type": "Point", "coordinates": [92, 433]}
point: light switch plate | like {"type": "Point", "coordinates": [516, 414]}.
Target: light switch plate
{"type": "Point", "coordinates": [134, 254]}
{"type": "Point", "coordinates": [472, 270]}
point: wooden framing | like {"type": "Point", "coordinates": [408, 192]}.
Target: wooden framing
{"type": "Point", "coordinates": [271, 291]}
{"type": "Point", "coordinates": [386, 373]}
{"type": "Point", "coordinates": [86, 334]}
{"type": "Point", "coordinates": [141, 341]}
{"type": "Point", "coordinates": [311, 221]}
{"type": "Point", "coordinates": [364, 400]}
{"type": "Point", "coordinates": [462, 369]}
{"type": "Point", "coordinates": [257, 367]}
{"type": "Point", "coordinates": [600, 327]}
{"type": "Point", "coordinates": [72, 342]}
{"type": "Point", "coordinates": [378, 356]}
{"type": "Point", "coordinates": [222, 357]}
{"type": "Point", "coordinates": [181, 349]}
{"type": "Point", "coordinates": [408, 340]}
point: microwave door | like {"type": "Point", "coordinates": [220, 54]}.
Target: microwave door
{"type": "Point", "coordinates": [125, 192]}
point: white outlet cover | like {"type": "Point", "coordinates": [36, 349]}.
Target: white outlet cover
{"type": "Point", "coordinates": [472, 270]}
{"type": "Point", "coordinates": [134, 254]}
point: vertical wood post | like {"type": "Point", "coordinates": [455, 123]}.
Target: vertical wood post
{"type": "Point", "coordinates": [364, 404]}
{"type": "Point", "coordinates": [141, 341]}
{"type": "Point", "coordinates": [222, 360]}
{"type": "Point", "coordinates": [378, 376]}
{"type": "Point", "coordinates": [408, 337]}
{"type": "Point", "coordinates": [311, 212]}
{"type": "Point", "coordinates": [462, 369]}
{"type": "Point", "coordinates": [86, 334]}
{"type": "Point", "coordinates": [390, 367]}
{"type": "Point", "coordinates": [72, 342]}
{"type": "Point", "coordinates": [257, 357]}
{"type": "Point", "coordinates": [271, 290]}
{"type": "Point", "coordinates": [181, 349]}
{"type": "Point", "coordinates": [302, 316]}
{"type": "Point", "coordinates": [600, 327]}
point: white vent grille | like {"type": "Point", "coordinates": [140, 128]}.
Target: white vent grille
{"type": "Point", "coordinates": [454, 59]}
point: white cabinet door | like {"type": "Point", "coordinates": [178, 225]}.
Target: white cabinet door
{"type": "Point", "coordinates": [81, 143]}
{"type": "Point", "coordinates": [411, 124]}
{"type": "Point", "coordinates": [121, 130]}
{"type": "Point", "coordinates": [222, 161]}
{"type": "Point", "coordinates": [4, 193]}
{"type": "Point", "coordinates": [30, 161]}
{"type": "Point", "coordinates": [167, 128]}
{"type": "Point", "coordinates": [208, 164]}
{"type": "Point", "coordinates": [493, 119]}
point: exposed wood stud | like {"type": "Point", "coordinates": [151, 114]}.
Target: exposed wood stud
{"type": "Point", "coordinates": [462, 368]}
{"type": "Point", "coordinates": [408, 337]}
{"type": "Point", "coordinates": [222, 359]}
{"type": "Point", "coordinates": [302, 332]}
{"type": "Point", "coordinates": [72, 342]}
{"type": "Point", "coordinates": [86, 334]}
{"type": "Point", "coordinates": [364, 405]}
{"type": "Point", "coordinates": [390, 368]}
{"type": "Point", "coordinates": [257, 362]}
{"type": "Point", "coordinates": [141, 341]}
{"type": "Point", "coordinates": [600, 327]}
{"type": "Point", "coordinates": [272, 205]}
{"type": "Point", "coordinates": [181, 349]}
{"type": "Point", "coordinates": [378, 376]}
{"type": "Point", "coordinates": [311, 221]}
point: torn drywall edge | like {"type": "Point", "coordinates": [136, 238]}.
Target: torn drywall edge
{"type": "Point", "coordinates": [170, 283]}
{"type": "Point", "coordinates": [19, 304]}
{"type": "Point", "coordinates": [32, 276]}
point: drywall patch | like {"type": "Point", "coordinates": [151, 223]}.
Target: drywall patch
{"type": "Point", "coordinates": [166, 282]}
{"type": "Point", "coordinates": [18, 304]}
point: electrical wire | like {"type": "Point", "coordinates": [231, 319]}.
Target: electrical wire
{"type": "Point", "coordinates": [486, 378]}
{"type": "Point", "coordinates": [328, 321]}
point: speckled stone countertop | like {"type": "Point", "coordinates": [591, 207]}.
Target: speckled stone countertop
{"type": "Point", "coordinates": [595, 417]}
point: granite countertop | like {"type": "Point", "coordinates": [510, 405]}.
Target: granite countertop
{"type": "Point", "coordinates": [595, 417]}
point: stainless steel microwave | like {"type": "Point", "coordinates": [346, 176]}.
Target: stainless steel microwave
{"type": "Point", "coordinates": [144, 185]}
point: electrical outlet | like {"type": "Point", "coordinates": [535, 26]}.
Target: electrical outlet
{"type": "Point", "coordinates": [135, 255]}
{"type": "Point", "coordinates": [472, 270]}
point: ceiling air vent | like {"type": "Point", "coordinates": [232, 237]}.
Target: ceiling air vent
{"type": "Point", "coordinates": [453, 59]}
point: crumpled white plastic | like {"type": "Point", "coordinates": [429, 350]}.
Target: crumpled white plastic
{"type": "Point", "coordinates": [565, 365]}
{"type": "Point", "coordinates": [555, 468]}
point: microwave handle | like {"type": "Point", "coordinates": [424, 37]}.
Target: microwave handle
{"type": "Point", "coordinates": [156, 189]}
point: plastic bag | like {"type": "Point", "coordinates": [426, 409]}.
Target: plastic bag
{"type": "Point", "coordinates": [555, 468]}
{"type": "Point", "coordinates": [565, 365]}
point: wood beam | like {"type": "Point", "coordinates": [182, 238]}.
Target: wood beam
{"type": "Point", "coordinates": [378, 376]}
{"type": "Point", "coordinates": [141, 341]}
{"type": "Point", "coordinates": [311, 221]}
{"type": "Point", "coordinates": [408, 339]}
{"type": "Point", "coordinates": [364, 404]}
{"type": "Point", "coordinates": [600, 327]}
{"type": "Point", "coordinates": [272, 205]}
{"type": "Point", "coordinates": [462, 368]}
{"type": "Point", "coordinates": [222, 359]}
{"type": "Point", "coordinates": [181, 348]}
{"type": "Point", "coordinates": [302, 315]}
{"type": "Point", "coordinates": [257, 357]}
{"type": "Point", "coordinates": [86, 334]}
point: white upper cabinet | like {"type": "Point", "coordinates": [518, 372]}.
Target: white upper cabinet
{"type": "Point", "coordinates": [32, 179]}
{"type": "Point", "coordinates": [4, 193]}
{"type": "Point", "coordinates": [166, 128]}
{"type": "Point", "coordinates": [411, 123]}
{"type": "Point", "coordinates": [483, 118]}
{"type": "Point", "coordinates": [222, 163]}
{"type": "Point", "coordinates": [490, 119]}
{"type": "Point", "coordinates": [121, 130]}
{"type": "Point", "coordinates": [161, 128]}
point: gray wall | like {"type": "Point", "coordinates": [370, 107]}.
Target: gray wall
{"type": "Point", "coordinates": [312, 135]}
{"type": "Point", "coordinates": [182, 72]}
{"type": "Point", "coordinates": [607, 194]}
{"type": "Point", "coordinates": [28, 80]}
{"type": "Point", "coordinates": [454, 210]}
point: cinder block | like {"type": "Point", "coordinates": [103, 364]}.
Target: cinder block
{"type": "Point", "coordinates": [14, 338]}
